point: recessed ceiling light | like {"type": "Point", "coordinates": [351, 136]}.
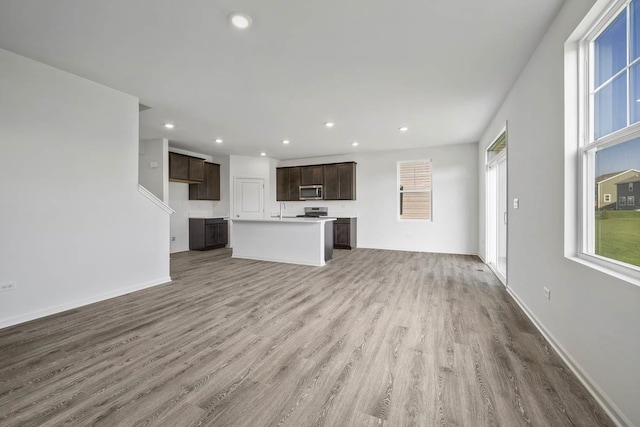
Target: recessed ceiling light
{"type": "Point", "coordinates": [240, 20]}
{"type": "Point", "coordinates": [219, 141]}
{"type": "Point", "coordinates": [169, 125]}
{"type": "Point", "coordinates": [285, 141]}
{"type": "Point", "coordinates": [354, 143]}
{"type": "Point", "coordinates": [403, 129]}
{"type": "Point", "coordinates": [329, 124]}
{"type": "Point", "coordinates": [263, 154]}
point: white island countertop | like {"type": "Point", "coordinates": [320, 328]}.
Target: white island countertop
{"type": "Point", "coordinates": [287, 219]}
{"type": "Point", "coordinates": [306, 241]}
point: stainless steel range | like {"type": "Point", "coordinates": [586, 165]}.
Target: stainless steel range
{"type": "Point", "coordinates": [314, 212]}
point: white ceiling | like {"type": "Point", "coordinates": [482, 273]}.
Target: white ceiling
{"type": "Point", "coordinates": [440, 67]}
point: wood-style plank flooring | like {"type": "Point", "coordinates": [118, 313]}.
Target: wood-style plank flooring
{"type": "Point", "coordinates": [374, 338]}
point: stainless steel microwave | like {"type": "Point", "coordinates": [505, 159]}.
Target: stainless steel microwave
{"type": "Point", "coordinates": [311, 192]}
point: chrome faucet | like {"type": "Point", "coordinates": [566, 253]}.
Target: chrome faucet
{"type": "Point", "coordinates": [282, 206]}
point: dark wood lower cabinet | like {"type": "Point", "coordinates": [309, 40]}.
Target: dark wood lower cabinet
{"type": "Point", "coordinates": [208, 233]}
{"type": "Point", "coordinates": [344, 233]}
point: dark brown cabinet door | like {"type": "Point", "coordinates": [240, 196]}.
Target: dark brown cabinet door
{"type": "Point", "coordinates": [196, 169]}
{"type": "Point", "coordinates": [338, 181]}
{"type": "Point", "coordinates": [223, 234]}
{"type": "Point", "coordinates": [345, 233]}
{"type": "Point", "coordinates": [331, 183]}
{"type": "Point", "coordinates": [287, 184]}
{"type": "Point", "coordinates": [214, 181]}
{"type": "Point", "coordinates": [210, 188]}
{"type": "Point", "coordinates": [218, 235]}
{"type": "Point", "coordinates": [294, 184]}
{"type": "Point", "coordinates": [178, 167]}
{"type": "Point", "coordinates": [341, 234]}
{"type": "Point", "coordinates": [210, 233]}
{"type": "Point", "coordinates": [311, 175]}
{"type": "Point", "coordinates": [282, 184]}
{"type": "Point", "coordinates": [347, 179]}
{"type": "Point", "coordinates": [184, 168]}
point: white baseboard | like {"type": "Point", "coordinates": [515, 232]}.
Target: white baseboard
{"type": "Point", "coordinates": [600, 396]}
{"type": "Point", "coordinates": [416, 250]}
{"type": "Point", "coordinates": [11, 321]}
{"type": "Point", "coordinates": [253, 258]}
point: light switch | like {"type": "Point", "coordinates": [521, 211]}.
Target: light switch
{"type": "Point", "coordinates": [516, 203]}
{"type": "Point", "coordinates": [153, 164]}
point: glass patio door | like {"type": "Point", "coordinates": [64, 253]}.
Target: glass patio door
{"type": "Point", "coordinates": [497, 207]}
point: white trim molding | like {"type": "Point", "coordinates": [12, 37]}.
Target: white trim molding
{"type": "Point", "coordinates": [149, 195]}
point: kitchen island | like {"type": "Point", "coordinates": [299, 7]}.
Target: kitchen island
{"type": "Point", "coordinates": [306, 241]}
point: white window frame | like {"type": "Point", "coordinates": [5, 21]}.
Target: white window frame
{"type": "Point", "coordinates": [607, 198]}
{"type": "Point", "coordinates": [579, 243]}
{"type": "Point", "coordinates": [631, 200]}
{"type": "Point", "coordinates": [430, 190]}
{"type": "Point", "coordinates": [631, 186]}
{"type": "Point", "coordinates": [622, 201]}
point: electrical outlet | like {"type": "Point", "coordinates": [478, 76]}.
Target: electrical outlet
{"type": "Point", "coordinates": [516, 203]}
{"type": "Point", "coordinates": [547, 293]}
{"type": "Point", "coordinates": [8, 286]}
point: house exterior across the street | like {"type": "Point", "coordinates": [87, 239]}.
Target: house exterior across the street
{"type": "Point", "coordinates": [628, 197]}
{"type": "Point", "coordinates": [607, 188]}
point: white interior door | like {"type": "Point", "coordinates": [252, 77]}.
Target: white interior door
{"type": "Point", "coordinates": [249, 198]}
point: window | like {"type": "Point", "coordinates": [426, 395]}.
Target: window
{"type": "Point", "coordinates": [607, 197]}
{"type": "Point", "coordinates": [630, 186]}
{"type": "Point", "coordinates": [414, 178]}
{"type": "Point", "coordinates": [610, 141]}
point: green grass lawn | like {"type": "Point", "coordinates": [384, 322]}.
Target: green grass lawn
{"type": "Point", "coordinates": [618, 237]}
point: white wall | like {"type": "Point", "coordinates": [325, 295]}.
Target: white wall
{"type": "Point", "coordinates": [74, 227]}
{"type": "Point", "coordinates": [155, 179]}
{"type": "Point", "coordinates": [185, 208]}
{"type": "Point", "coordinates": [455, 200]}
{"type": "Point", "coordinates": [592, 317]}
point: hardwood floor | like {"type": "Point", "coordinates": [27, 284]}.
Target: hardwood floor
{"type": "Point", "coordinates": [374, 338]}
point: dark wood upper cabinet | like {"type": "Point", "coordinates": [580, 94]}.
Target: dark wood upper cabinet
{"type": "Point", "coordinates": [311, 175]}
{"type": "Point", "coordinates": [287, 184]}
{"type": "Point", "coordinates": [282, 184]}
{"type": "Point", "coordinates": [196, 169]}
{"type": "Point", "coordinates": [210, 187]}
{"type": "Point", "coordinates": [178, 167]}
{"type": "Point", "coordinates": [338, 181]}
{"type": "Point", "coordinates": [294, 184]}
{"type": "Point", "coordinates": [347, 181]}
{"type": "Point", "coordinates": [331, 185]}
{"type": "Point", "coordinates": [183, 168]}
